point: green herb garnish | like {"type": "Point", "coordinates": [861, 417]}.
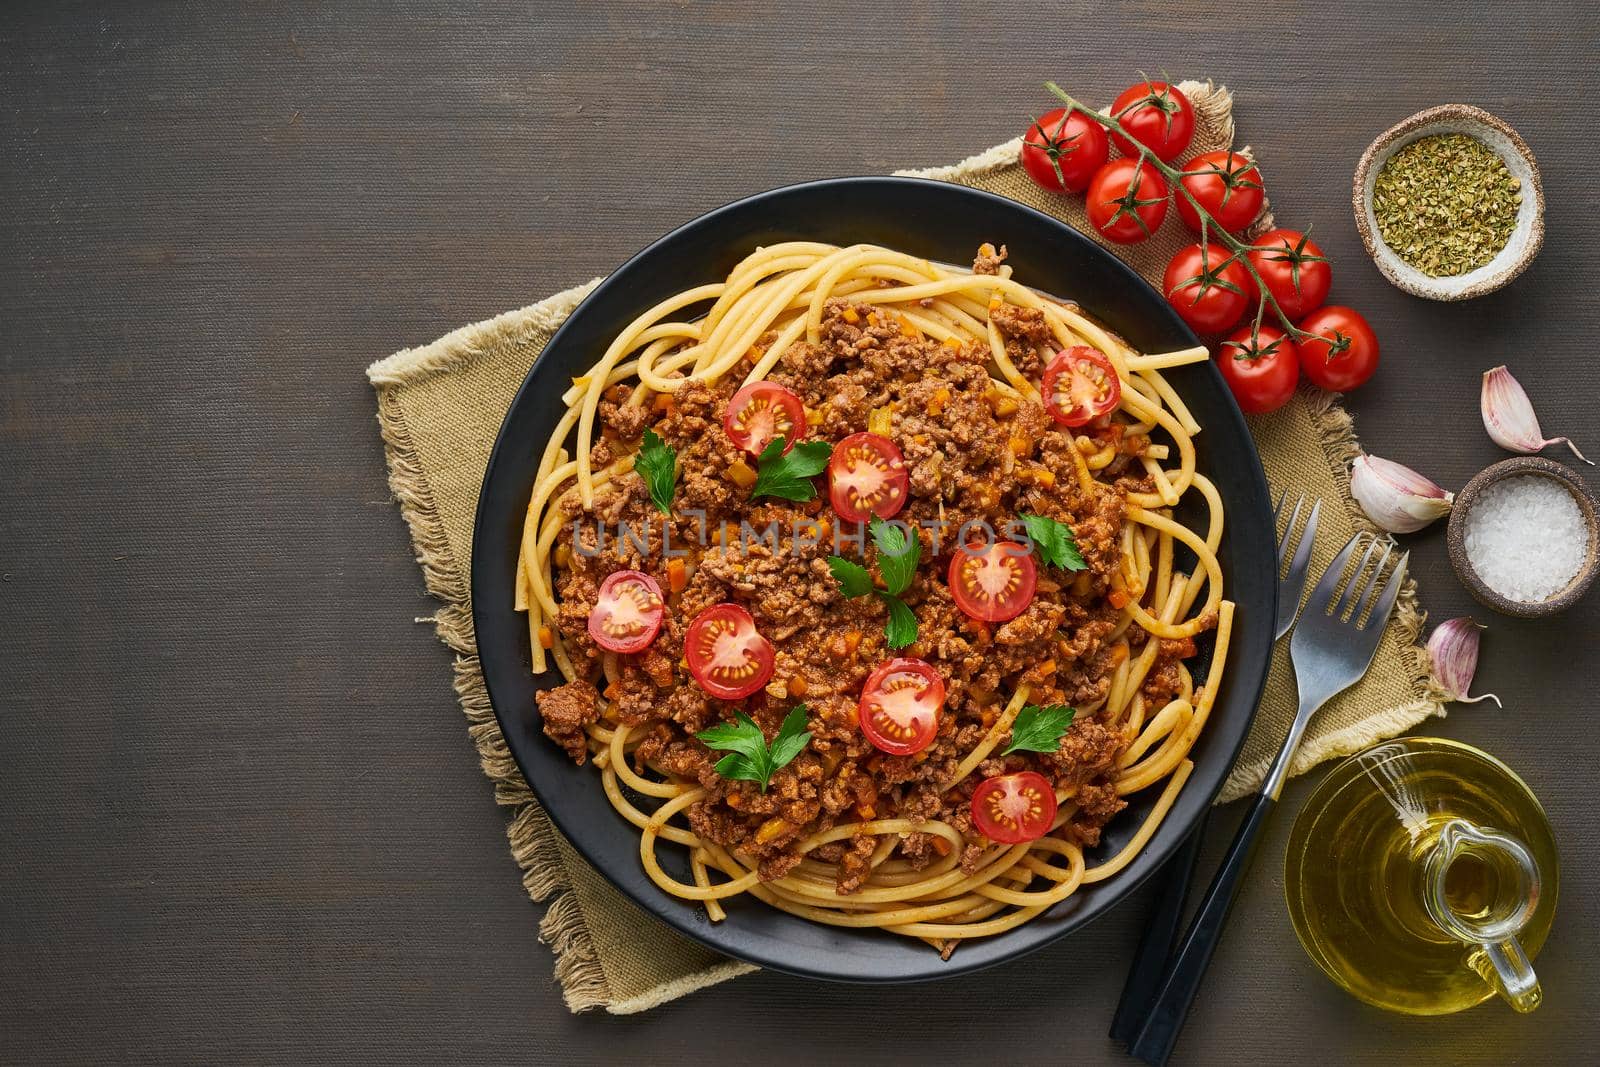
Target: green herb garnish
{"type": "Point", "coordinates": [1054, 542]}
{"type": "Point", "coordinates": [750, 758]}
{"type": "Point", "coordinates": [901, 629]}
{"type": "Point", "coordinates": [658, 466]}
{"type": "Point", "coordinates": [898, 553]}
{"type": "Point", "coordinates": [1040, 729]}
{"type": "Point", "coordinates": [854, 579]}
{"type": "Point", "coordinates": [789, 475]}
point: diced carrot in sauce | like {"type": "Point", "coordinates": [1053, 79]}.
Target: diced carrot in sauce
{"type": "Point", "coordinates": [677, 575]}
{"type": "Point", "coordinates": [740, 474]}
{"type": "Point", "coordinates": [547, 637]}
{"type": "Point", "coordinates": [771, 830]}
{"type": "Point", "coordinates": [851, 315]}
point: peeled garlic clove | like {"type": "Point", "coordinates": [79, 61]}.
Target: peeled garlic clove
{"type": "Point", "coordinates": [1509, 418]}
{"type": "Point", "coordinates": [1453, 648]}
{"type": "Point", "coordinates": [1395, 497]}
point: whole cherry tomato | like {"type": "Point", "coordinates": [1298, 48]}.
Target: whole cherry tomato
{"type": "Point", "coordinates": [1208, 286]}
{"type": "Point", "coordinates": [1343, 354]}
{"type": "Point", "coordinates": [1062, 151]}
{"type": "Point", "coordinates": [1227, 185]}
{"type": "Point", "coordinates": [1127, 201]}
{"type": "Point", "coordinates": [1158, 116]}
{"type": "Point", "coordinates": [1294, 270]}
{"type": "Point", "coordinates": [1261, 366]}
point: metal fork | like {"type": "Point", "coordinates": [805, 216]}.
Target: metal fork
{"type": "Point", "coordinates": [1166, 916]}
{"type": "Point", "coordinates": [1331, 649]}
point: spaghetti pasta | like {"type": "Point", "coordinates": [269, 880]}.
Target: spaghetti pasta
{"type": "Point", "coordinates": [849, 836]}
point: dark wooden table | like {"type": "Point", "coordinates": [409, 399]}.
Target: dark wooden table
{"type": "Point", "coordinates": [240, 819]}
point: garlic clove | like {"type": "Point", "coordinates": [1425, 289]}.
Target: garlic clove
{"type": "Point", "coordinates": [1508, 416]}
{"type": "Point", "coordinates": [1395, 497]}
{"type": "Point", "coordinates": [1453, 648]}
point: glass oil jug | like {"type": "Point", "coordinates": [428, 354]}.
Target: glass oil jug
{"type": "Point", "coordinates": [1421, 876]}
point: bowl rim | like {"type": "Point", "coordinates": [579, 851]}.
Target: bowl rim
{"type": "Point", "coordinates": [1456, 535]}
{"type": "Point", "coordinates": [764, 939]}
{"type": "Point", "coordinates": [1508, 263]}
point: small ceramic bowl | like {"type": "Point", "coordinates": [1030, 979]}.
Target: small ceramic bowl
{"type": "Point", "coordinates": [1526, 238]}
{"type": "Point", "coordinates": [1456, 536]}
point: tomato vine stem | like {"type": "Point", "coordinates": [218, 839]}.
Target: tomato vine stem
{"type": "Point", "coordinates": [1239, 249]}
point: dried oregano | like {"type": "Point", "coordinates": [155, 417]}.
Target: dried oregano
{"type": "Point", "coordinates": [1446, 204]}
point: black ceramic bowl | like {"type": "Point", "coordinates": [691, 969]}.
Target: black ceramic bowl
{"type": "Point", "coordinates": [941, 222]}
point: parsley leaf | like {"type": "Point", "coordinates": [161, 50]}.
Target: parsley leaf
{"type": "Point", "coordinates": [897, 554]}
{"type": "Point", "coordinates": [901, 628]}
{"type": "Point", "coordinates": [854, 579]}
{"type": "Point", "coordinates": [789, 476]}
{"type": "Point", "coordinates": [1054, 541]}
{"type": "Point", "coordinates": [750, 758]}
{"type": "Point", "coordinates": [897, 568]}
{"type": "Point", "coordinates": [1039, 729]}
{"type": "Point", "coordinates": [658, 466]}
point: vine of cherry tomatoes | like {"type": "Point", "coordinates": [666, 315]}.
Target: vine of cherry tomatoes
{"type": "Point", "coordinates": [1214, 283]}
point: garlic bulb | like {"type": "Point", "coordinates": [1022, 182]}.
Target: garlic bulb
{"type": "Point", "coordinates": [1509, 418]}
{"type": "Point", "coordinates": [1395, 497]}
{"type": "Point", "coordinates": [1453, 648]}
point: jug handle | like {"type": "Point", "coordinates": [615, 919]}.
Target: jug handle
{"type": "Point", "coordinates": [1500, 961]}
{"type": "Point", "coordinates": [1506, 968]}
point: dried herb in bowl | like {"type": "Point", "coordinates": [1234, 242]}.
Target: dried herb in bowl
{"type": "Point", "coordinates": [1446, 203]}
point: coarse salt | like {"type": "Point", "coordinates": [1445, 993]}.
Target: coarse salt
{"type": "Point", "coordinates": [1526, 538]}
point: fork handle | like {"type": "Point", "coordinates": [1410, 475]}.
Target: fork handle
{"type": "Point", "coordinates": [1188, 967]}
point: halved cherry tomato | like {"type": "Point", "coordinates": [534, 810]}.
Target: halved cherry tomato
{"type": "Point", "coordinates": [1294, 269]}
{"type": "Point", "coordinates": [1126, 201]}
{"type": "Point", "coordinates": [628, 612]}
{"type": "Point", "coordinates": [1080, 385]}
{"type": "Point", "coordinates": [1158, 116]}
{"type": "Point", "coordinates": [1343, 354]}
{"type": "Point", "coordinates": [761, 411]}
{"type": "Point", "coordinates": [1261, 367]}
{"type": "Point", "coordinates": [993, 583]}
{"type": "Point", "coordinates": [1228, 187]}
{"type": "Point", "coordinates": [1061, 152]}
{"type": "Point", "coordinates": [726, 655]}
{"type": "Point", "coordinates": [866, 477]}
{"type": "Point", "coordinates": [1013, 808]}
{"type": "Point", "coordinates": [899, 710]}
{"type": "Point", "coordinates": [1207, 287]}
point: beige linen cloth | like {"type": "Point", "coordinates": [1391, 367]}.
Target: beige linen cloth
{"type": "Point", "coordinates": [439, 407]}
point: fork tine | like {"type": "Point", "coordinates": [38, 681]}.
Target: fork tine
{"type": "Point", "coordinates": [1390, 593]}
{"type": "Point", "coordinates": [1288, 531]}
{"type": "Point", "coordinates": [1292, 586]}
{"type": "Point", "coordinates": [1302, 554]}
{"type": "Point", "coordinates": [1348, 597]}
{"type": "Point", "coordinates": [1322, 596]}
{"type": "Point", "coordinates": [1277, 509]}
{"type": "Point", "coordinates": [1364, 598]}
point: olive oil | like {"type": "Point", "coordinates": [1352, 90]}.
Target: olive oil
{"type": "Point", "coordinates": [1385, 892]}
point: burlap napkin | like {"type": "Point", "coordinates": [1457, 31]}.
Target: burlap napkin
{"type": "Point", "coordinates": [439, 408]}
